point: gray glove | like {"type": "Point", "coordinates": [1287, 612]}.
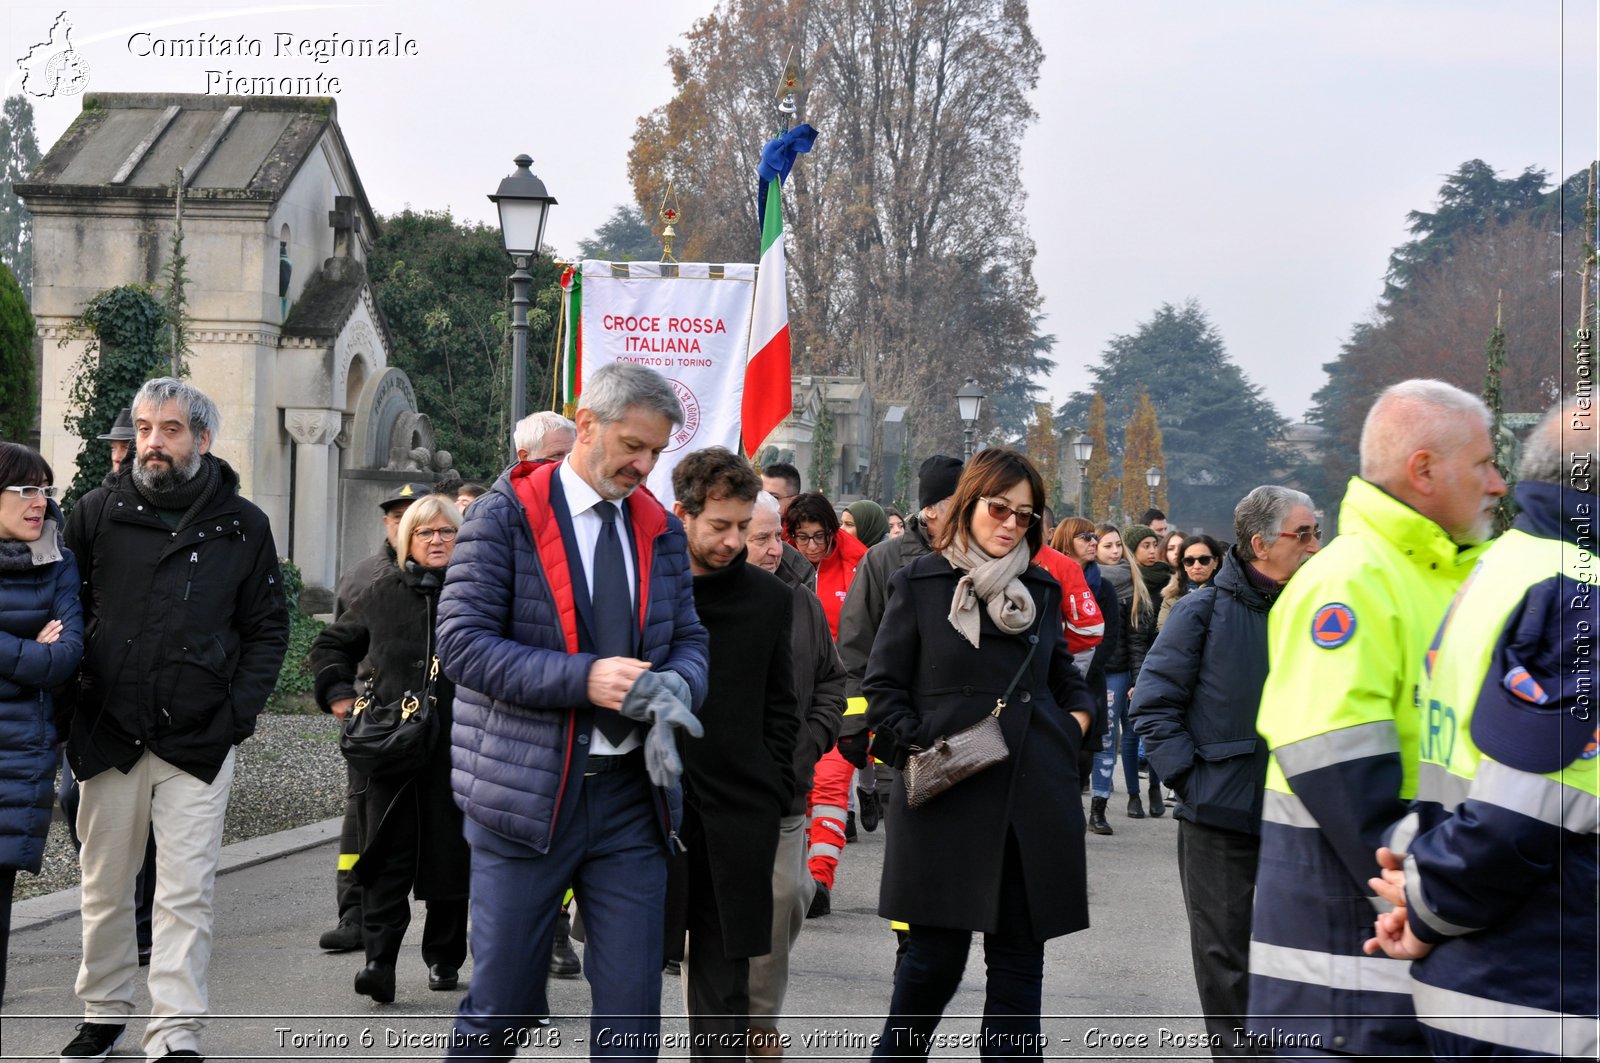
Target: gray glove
{"type": "Point", "coordinates": [661, 699]}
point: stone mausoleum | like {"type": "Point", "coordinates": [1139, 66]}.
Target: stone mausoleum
{"type": "Point", "coordinates": [286, 335]}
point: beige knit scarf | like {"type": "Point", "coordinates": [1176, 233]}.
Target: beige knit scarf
{"type": "Point", "coordinates": [993, 581]}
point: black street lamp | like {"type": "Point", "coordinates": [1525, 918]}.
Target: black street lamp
{"type": "Point", "coordinates": [969, 401]}
{"type": "Point", "coordinates": [1152, 479]}
{"type": "Point", "coordinates": [1083, 450]}
{"type": "Point", "coordinates": [524, 207]}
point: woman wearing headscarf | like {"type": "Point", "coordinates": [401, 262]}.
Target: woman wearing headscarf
{"type": "Point", "coordinates": [41, 643]}
{"type": "Point", "coordinates": [866, 520]}
{"type": "Point", "coordinates": [962, 626]}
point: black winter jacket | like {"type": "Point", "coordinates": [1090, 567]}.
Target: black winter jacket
{"type": "Point", "coordinates": [185, 630]}
{"type": "Point", "coordinates": [1196, 700]}
{"type": "Point", "coordinates": [1142, 629]}
{"type": "Point", "coordinates": [388, 624]}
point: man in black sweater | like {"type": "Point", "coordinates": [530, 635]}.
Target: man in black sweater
{"type": "Point", "coordinates": [737, 780]}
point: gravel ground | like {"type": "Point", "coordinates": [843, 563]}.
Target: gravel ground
{"type": "Point", "coordinates": [290, 774]}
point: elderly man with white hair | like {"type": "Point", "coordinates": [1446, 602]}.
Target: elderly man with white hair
{"type": "Point", "coordinates": [544, 436]}
{"type": "Point", "coordinates": [1346, 641]}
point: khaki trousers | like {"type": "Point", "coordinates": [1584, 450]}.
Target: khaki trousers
{"type": "Point", "coordinates": [792, 889]}
{"type": "Point", "coordinates": [114, 819]}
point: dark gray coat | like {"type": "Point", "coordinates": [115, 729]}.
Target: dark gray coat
{"type": "Point", "coordinates": [1196, 698]}
{"type": "Point", "coordinates": [818, 687]}
{"type": "Point", "coordinates": [942, 861]}
{"type": "Point", "coordinates": [862, 612]}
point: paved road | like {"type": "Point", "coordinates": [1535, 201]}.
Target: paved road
{"type": "Point", "coordinates": [276, 996]}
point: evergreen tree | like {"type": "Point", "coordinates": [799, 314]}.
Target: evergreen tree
{"type": "Point", "coordinates": [626, 236]}
{"type": "Point", "coordinates": [1494, 398]}
{"type": "Point", "coordinates": [1218, 430]}
{"type": "Point", "coordinates": [1141, 449]}
{"type": "Point", "coordinates": [21, 149]}
{"type": "Point", "coordinates": [1102, 489]}
{"type": "Point", "coordinates": [824, 454]}
{"type": "Point", "coordinates": [1043, 450]}
{"type": "Point", "coordinates": [18, 403]}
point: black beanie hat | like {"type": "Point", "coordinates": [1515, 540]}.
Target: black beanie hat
{"type": "Point", "coordinates": [936, 480]}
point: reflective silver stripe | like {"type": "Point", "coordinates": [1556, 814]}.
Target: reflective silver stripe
{"type": "Point", "coordinates": [1537, 797]}
{"type": "Point", "coordinates": [1551, 1033]}
{"type": "Point", "coordinates": [1435, 782]}
{"type": "Point", "coordinates": [827, 812]}
{"type": "Point", "coordinates": [1365, 974]}
{"type": "Point", "coordinates": [1404, 832]}
{"type": "Point", "coordinates": [1286, 809]}
{"type": "Point", "coordinates": [1417, 901]}
{"type": "Point", "coordinates": [1335, 747]}
{"type": "Point", "coordinates": [824, 849]}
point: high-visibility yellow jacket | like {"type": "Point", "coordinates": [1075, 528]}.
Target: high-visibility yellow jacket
{"type": "Point", "coordinates": [1346, 642]}
{"type": "Point", "coordinates": [1501, 845]}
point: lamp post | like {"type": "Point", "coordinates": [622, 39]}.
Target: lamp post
{"type": "Point", "coordinates": [1152, 479]}
{"type": "Point", "coordinates": [969, 401]}
{"type": "Point", "coordinates": [1083, 450]}
{"type": "Point", "coordinates": [524, 206]}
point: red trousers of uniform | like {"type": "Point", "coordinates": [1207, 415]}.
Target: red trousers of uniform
{"type": "Point", "coordinates": [830, 800]}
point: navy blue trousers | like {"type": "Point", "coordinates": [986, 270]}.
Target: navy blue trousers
{"type": "Point", "coordinates": [612, 852]}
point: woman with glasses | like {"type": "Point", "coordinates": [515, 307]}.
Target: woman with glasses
{"type": "Point", "coordinates": [1000, 852]}
{"type": "Point", "coordinates": [811, 527]}
{"type": "Point", "coordinates": [41, 643]}
{"type": "Point", "coordinates": [411, 840]}
{"type": "Point", "coordinates": [1197, 559]}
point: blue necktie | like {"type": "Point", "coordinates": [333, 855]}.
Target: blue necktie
{"type": "Point", "coordinates": [612, 601]}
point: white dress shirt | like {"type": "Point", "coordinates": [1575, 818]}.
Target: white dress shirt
{"type": "Point", "coordinates": [586, 527]}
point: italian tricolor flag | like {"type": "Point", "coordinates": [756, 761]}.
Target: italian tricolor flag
{"type": "Point", "coordinates": [767, 399]}
{"type": "Point", "coordinates": [569, 340]}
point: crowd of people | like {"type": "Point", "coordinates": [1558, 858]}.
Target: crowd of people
{"type": "Point", "coordinates": [658, 730]}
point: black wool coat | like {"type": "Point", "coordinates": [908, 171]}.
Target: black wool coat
{"type": "Point", "coordinates": [738, 779]}
{"type": "Point", "coordinates": [390, 621]}
{"type": "Point", "coordinates": [924, 680]}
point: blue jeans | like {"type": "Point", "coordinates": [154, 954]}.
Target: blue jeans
{"type": "Point", "coordinates": [612, 852]}
{"type": "Point", "coordinates": [1118, 734]}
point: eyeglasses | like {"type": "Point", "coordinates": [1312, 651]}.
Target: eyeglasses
{"type": "Point", "coordinates": [1203, 559]}
{"type": "Point", "coordinates": [819, 539]}
{"type": "Point", "coordinates": [1087, 537]}
{"type": "Point", "coordinates": [33, 492]}
{"type": "Point", "coordinates": [1002, 512]}
{"type": "Point", "coordinates": [1305, 535]}
{"type": "Point", "coordinates": [443, 535]}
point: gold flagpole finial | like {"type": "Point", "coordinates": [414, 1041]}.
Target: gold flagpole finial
{"type": "Point", "coordinates": [670, 215]}
{"type": "Point", "coordinates": [789, 86]}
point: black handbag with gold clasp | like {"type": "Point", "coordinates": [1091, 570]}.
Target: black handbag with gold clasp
{"type": "Point", "coordinates": [393, 739]}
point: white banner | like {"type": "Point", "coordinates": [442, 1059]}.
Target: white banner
{"type": "Point", "coordinates": [692, 328]}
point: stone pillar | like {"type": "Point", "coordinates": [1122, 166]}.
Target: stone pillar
{"type": "Point", "coordinates": [315, 547]}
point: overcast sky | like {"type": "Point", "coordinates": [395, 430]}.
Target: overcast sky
{"type": "Point", "coordinates": [1257, 156]}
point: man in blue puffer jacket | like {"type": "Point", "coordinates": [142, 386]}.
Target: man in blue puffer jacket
{"type": "Point", "coordinates": [569, 583]}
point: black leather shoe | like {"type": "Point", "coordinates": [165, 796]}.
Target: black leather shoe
{"type": "Point", "coordinates": [1135, 807]}
{"type": "Point", "coordinates": [1156, 805]}
{"type": "Point", "coordinates": [871, 809]}
{"type": "Point", "coordinates": [564, 962]}
{"type": "Point", "coordinates": [821, 903]}
{"type": "Point", "coordinates": [346, 937]}
{"type": "Point", "coordinates": [849, 826]}
{"type": "Point", "coordinates": [442, 978]}
{"type": "Point", "coordinates": [376, 980]}
{"type": "Point", "coordinates": [1097, 816]}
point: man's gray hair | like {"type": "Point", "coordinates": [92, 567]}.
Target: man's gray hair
{"type": "Point", "coordinates": [1416, 415]}
{"type": "Point", "coordinates": [767, 502]}
{"type": "Point", "coordinates": [1561, 448]}
{"type": "Point", "coordinates": [531, 430]}
{"type": "Point", "coordinates": [614, 388]}
{"type": "Point", "coordinates": [197, 407]}
{"type": "Point", "coordinates": [1262, 512]}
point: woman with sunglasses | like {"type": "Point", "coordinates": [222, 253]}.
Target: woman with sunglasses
{"type": "Point", "coordinates": [410, 827]}
{"type": "Point", "coordinates": [964, 625]}
{"type": "Point", "coordinates": [41, 643]}
{"type": "Point", "coordinates": [1198, 557]}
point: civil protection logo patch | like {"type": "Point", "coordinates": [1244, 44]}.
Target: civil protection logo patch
{"type": "Point", "coordinates": [1333, 625]}
{"type": "Point", "coordinates": [1524, 686]}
